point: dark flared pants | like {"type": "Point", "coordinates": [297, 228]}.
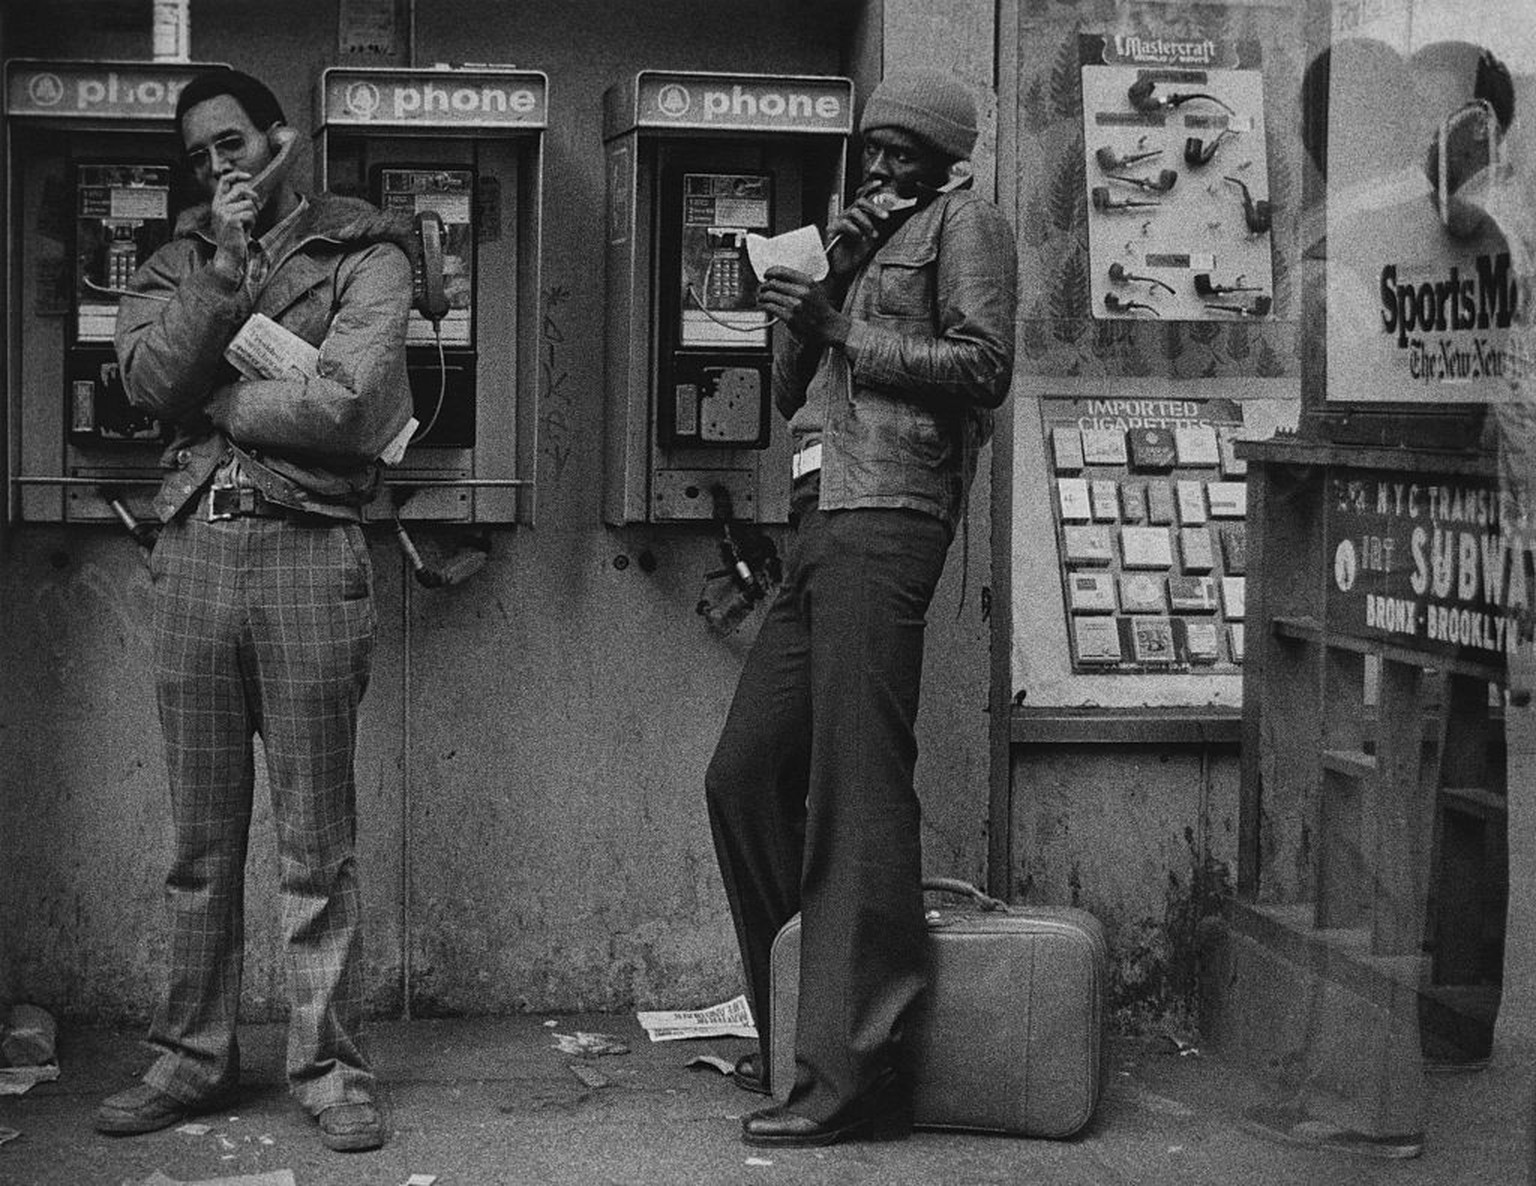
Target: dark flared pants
{"type": "Point", "coordinates": [810, 793]}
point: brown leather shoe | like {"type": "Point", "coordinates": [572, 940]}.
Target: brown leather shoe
{"type": "Point", "coordinates": [749, 1074]}
{"type": "Point", "coordinates": [144, 1109]}
{"type": "Point", "coordinates": [352, 1127]}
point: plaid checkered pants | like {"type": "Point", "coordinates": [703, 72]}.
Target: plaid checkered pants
{"type": "Point", "coordinates": [262, 626]}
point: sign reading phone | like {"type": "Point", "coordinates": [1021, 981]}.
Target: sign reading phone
{"type": "Point", "coordinates": [433, 98]}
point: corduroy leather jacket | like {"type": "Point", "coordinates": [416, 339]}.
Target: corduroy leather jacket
{"type": "Point", "coordinates": [908, 400]}
{"type": "Point", "coordinates": [343, 285]}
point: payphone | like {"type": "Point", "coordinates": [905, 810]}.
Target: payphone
{"type": "Point", "coordinates": [458, 151]}
{"type": "Point", "coordinates": [93, 189]}
{"type": "Point", "coordinates": [697, 164]}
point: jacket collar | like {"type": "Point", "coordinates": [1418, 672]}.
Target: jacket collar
{"type": "Point", "coordinates": [350, 222]}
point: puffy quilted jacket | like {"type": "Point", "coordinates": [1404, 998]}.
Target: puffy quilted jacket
{"type": "Point", "coordinates": [344, 285]}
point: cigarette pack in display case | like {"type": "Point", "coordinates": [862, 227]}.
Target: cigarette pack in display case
{"type": "Point", "coordinates": [1097, 640]}
{"type": "Point", "coordinates": [1142, 593]}
{"type": "Point", "coordinates": [1104, 446]}
{"type": "Point", "coordinates": [1152, 448]}
{"type": "Point", "coordinates": [1196, 445]}
{"type": "Point", "coordinates": [1145, 547]}
{"type": "Point", "coordinates": [1073, 494]}
{"type": "Point", "coordinates": [1228, 500]}
{"type": "Point", "coordinates": [1133, 502]}
{"type": "Point", "coordinates": [1233, 595]}
{"type": "Point", "coordinates": [1159, 502]}
{"type": "Point", "coordinates": [1067, 448]}
{"type": "Point", "coordinates": [1152, 640]}
{"type": "Point", "coordinates": [1091, 592]}
{"type": "Point", "coordinates": [1192, 594]}
{"type": "Point", "coordinates": [1087, 543]}
{"type": "Point", "coordinates": [1201, 644]}
{"type": "Point", "coordinates": [1105, 496]}
{"type": "Point", "coordinates": [1191, 495]}
{"type": "Point", "coordinates": [1195, 548]}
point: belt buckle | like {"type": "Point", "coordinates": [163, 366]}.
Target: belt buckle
{"type": "Point", "coordinates": [806, 461]}
{"type": "Point", "coordinates": [230, 502]}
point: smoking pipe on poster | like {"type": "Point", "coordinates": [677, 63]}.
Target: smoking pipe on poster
{"type": "Point", "coordinates": [1257, 214]}
{"type": "Point", "coordinates": [1103, 202]}
{"type": "Point", "coordinates": [1115, 305]}
{"type": "Point", "coordinates": [1207, 288]}
{"type": "Point", "coordinates": [1197, 152]}
{"type": "Point", "coordinates": [1160, 184]}
{"type": "Point", "coordinates": [1112, 163]}
{"type": "Point", "coordinates": [1144, 100]}
{"type": "Point", "coordinates": [1119, 275]}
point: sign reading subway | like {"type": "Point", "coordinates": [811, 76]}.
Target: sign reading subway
{"type": "Point", "coordinates": [1439, 564]}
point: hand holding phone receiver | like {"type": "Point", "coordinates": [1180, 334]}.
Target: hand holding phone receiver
{"type": "Point", "coordinates": [900, 198]}
{"type": "Point", "coordinates": [282, 140]}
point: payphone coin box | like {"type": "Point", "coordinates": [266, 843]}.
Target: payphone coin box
{"type": "Point", "coordinates": [93, 190]}
{"type": "Point", "coordinates": [456, 152]}
{"type": "Point", "coordinates": [696, 163]}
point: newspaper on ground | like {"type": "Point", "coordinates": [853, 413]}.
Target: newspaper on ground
{"type": "Point", "coordinates": [729, 1019]}
{"type": "Point", "coordinates": [20, 1080]}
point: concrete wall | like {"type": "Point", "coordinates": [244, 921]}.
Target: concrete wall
{"type": "Point", "coordinates": [1144, 837]}
{"type": "Point", "coordinates": [533, 744]}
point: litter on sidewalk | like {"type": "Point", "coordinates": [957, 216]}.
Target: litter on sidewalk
{"type": "Point", "coordinates": [729, 1019]}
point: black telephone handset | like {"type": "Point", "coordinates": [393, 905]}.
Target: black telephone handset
{"type": "Point", "coordinates": [903, 200]}
{"type": "Point", "coordinates": [427, 291]}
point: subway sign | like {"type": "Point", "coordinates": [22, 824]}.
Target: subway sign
{"type": "Point", "coordinates": [440, 99]}
{"type": "Point", "coordinates": [742, 102]}
{"type": "Point", "coordinates": [137, 91]}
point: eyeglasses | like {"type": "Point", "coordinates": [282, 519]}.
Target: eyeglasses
{"type": "Point", "coordinates": [229, 146]}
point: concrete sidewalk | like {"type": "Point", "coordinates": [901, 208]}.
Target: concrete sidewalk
{"type": "Point", "coordinates": [492, 1101]}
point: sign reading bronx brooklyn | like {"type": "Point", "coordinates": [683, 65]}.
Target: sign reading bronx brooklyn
{"type": "Point", "coordinates": [1443, 565]}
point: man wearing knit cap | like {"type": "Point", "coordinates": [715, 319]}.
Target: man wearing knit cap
{"type": "Point", "coordinates": [888, 371]}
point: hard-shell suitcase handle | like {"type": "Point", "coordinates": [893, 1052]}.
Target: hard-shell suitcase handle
{"type": "Point", "coordinates": [953, 885]}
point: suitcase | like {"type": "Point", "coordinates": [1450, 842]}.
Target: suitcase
{"type": "Point", "coordinates": [1012, 1036]}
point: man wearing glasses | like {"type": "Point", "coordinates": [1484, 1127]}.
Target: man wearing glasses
{"type": "Point", "coordinates": [263, 586]}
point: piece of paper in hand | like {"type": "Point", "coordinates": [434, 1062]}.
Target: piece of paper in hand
{"type": "Point", "coordinates": [799, 249]}
{"type": "Point", "coordinates": [395, 450]}
{"type": "Point", "coordinates": [265, 350]}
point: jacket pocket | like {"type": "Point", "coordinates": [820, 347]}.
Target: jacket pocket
{"type": "Point", "coordinates": [920, 436]}
{"type": "Point", "coordinates": [905, 283]}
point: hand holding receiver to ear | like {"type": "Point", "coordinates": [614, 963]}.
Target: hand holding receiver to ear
{"type": "Point", "coordinates": [238, 199]}
{"type": "Point", "coordinates": [876, 212]}
{"type": "Point", "coordinates": [283, 140]}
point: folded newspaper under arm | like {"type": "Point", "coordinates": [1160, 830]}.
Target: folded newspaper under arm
{"type": "Point", "coordinates": [265, 350]}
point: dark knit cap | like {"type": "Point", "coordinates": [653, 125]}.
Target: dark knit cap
{"type": "Point", "coordinates": [934, 106]}
{"type": "Point", "coordinates": [260, 104]}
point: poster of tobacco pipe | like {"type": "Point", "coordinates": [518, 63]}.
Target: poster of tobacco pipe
{"type": "Point", "coordinates": [1179, 216]}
